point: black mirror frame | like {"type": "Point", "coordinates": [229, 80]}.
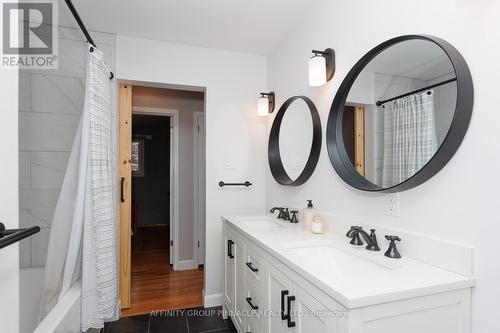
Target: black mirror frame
{"type": "Point", "coordinates": [463, 112]}
{"type": "Point", "coordinates": [278, 171]}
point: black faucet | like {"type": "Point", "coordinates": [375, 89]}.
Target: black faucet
{"type": "Point", "coordinates": [281, 210]}
{"type": "Point", "coordinates": [392, 251]}
{"type": "Point", "coordinates": [284, 213]}
{"type": "Point", "coordinates": [371, 239]}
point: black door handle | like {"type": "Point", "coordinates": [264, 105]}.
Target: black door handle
{"type": "Point", "coordinates": [253, 269]}
{"type": "Point", "coordinates": [283, 294]}
{"type": "Point", "coordinates": [289, 301]}
{"type": "Point", "coordinates": [249, 301]}
{"type": "Point", "coordinates": [121, 189]}
{"type": "Point", "coordinates": [230, 249]}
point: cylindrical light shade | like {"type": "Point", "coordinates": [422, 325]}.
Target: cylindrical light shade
{"type": "Point", "coordinates": [263, 106]}
{"type": "Point", "coordinates": [317, 71]}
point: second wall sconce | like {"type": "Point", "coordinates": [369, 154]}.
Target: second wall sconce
{"type": "Point", "coordinates": [265, 104]}
{"type": "Point", "coordinates": [321, 67]}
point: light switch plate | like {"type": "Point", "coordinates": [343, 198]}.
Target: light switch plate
{"type": "Point", "coordinates": [228, 165]}
{"type": "Point", "coordinates": [392, 207]}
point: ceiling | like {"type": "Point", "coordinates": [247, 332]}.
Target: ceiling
{"type": "Point", "coordinates": [254, 26]}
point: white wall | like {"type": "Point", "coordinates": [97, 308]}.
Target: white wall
{"type": "Point", "coordinates": [9, 256]}
{"type": "Point", "coordinates": [461, 202]}
{"type": "Point", "coordinates": [233, 130]}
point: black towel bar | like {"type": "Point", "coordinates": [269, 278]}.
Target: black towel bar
{"type": "Point", "coordinates": [247, 183]}
{"type": "Point", "coordinates": [11, 236]}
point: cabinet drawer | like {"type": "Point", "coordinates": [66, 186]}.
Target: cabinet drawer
{"type": "Point", "coordinates": [254, 265]}
{"type": "Point", "coordinates": [254, 325]}
{"type": "Point", "coordinates": [255, 306]}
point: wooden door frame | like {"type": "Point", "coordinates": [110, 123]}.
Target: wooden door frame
{"type": "Point", "coordinates": [359, 139]}
{"type": "Point", "coordinates": [174, 185]}
{"type": "Point", "coordinates": [197, 195]}
{"type": "Point", "coordinates": [124, 160]}
{"type": "Point", "coordinates": [125, 155]}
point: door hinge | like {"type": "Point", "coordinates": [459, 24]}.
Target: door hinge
{"type": "Point", "coordinates": [171, 243]}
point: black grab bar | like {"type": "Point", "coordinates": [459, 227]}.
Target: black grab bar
{"type": "Point", "coordinates": [247, 183]}
{"type": "Point", "coordinates": [11, 236]}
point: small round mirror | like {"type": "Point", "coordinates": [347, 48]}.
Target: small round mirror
{"type": "Point", "coordinates": [400, 114]}
{"type": "Point", "coordinates": [295, 141]}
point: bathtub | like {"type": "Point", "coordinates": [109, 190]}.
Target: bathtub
{"type": "Point", "coordinates": [64, 317]}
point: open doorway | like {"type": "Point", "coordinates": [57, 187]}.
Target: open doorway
{"type": "Point", "coordinates": [162, 213]}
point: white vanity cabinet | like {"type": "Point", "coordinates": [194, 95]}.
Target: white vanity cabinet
{"type": "Point", "coordinates": [229, 294]}
{"type": "Point", "coordinates": [263, 294]}
{"type": "Point", "coordinates": [282, 305]}
{"type": "Point", "coordinates": [297, 311]}
{"type": "Point", "coordinates": [233, 276]}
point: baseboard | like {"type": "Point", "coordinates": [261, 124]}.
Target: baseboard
{"type": "Point", "coordinates": [212, 300]}
{"type": "Point", "coordinates": [186, 264]}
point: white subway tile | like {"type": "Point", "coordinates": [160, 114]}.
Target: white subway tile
{"type": "Point", "coordinates": [57, 94]}
{"type": "Point", "coordinates": [25, 253]}
{"type": "Point", "coordinates": [48, 169]}
{"type": "Point", "coordinates": [24, 170]}
{"type": "Point", "coordinates": [71, 60]}
{"type": "Point", "coordinates": [24, 91]}
{"type": "Point", "coordinates": [36, 207]}
{"type": "Point", "coordinates": [47, 132]}
{"type": "Point", "coordinates": [39, 246]}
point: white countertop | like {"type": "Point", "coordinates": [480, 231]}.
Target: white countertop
{"type": "Point", "coordinates": [392, 280]}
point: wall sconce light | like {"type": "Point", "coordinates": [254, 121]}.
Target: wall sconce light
{"type": "Point", "coordinates": [321, 67]}
{"type": "Point", "coordinates": [265, 104]}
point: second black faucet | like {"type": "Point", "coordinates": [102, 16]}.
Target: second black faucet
{"type": "Point", "coordinates": [371, 239]}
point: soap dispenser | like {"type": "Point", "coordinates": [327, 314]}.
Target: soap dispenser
{"type": "Point", "coordinates": [308, 215]}
{"type": "Point", "coordinates": [317, 226]}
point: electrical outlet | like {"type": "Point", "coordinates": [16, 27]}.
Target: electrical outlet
{"type": "Point", "coordinates": [228, 165]}
{"type": "Point", "coordinates": [392, 207]}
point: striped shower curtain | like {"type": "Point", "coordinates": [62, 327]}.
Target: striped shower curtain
{"type": "Point", "coordinates": [409, 137]}
{"type": "Point", "coordinates": [83, 236]}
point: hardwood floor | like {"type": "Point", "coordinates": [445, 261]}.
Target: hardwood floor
{"type": "Point", "coordinates": [155, 285]}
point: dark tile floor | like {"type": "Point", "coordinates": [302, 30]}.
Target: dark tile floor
{"type": "Point", "coordinates": [196, 320]}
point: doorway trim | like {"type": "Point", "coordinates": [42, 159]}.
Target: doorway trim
{"type": "Point", "coordinates": [174, 169]}
{"type": "Point", "coordinates": [198, 196]}
{"type": "Point", "coordinates": [125, 174]}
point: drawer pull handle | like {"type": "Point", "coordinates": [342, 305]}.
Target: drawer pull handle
{"type": "Point", "coordinates": [249, 301]}
{"type": "Point", "coordinates": [253, 269]}
{"type": "Point", "coordinates": [283, 294]}
{"type": "Point", "coordinates": [289, 301]}
{"type": "Point", "coordinates": [230, 249]}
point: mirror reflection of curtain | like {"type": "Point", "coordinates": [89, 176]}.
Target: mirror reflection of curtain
{"type": "Point", "coordinates": [409, 136]}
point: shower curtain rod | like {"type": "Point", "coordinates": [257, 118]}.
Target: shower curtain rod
{"type": "Point", "coordinates": [379, 103]}
{"type": "Point", "coordinates": [83, 28]}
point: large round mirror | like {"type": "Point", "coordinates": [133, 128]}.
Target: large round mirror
{"type": "Point", "coordinates": [295, 141]}
{"type": "Point", "coordinates": [400, 114]}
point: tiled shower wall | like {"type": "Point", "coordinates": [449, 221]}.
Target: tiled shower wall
{"type": "Point", "coordinates": [50, 104]}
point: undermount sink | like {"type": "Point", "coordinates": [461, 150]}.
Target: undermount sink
{"type": "Point", "coordinates": [334, 260]}
{"type": "Point", "coordinates": [260, 223]}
